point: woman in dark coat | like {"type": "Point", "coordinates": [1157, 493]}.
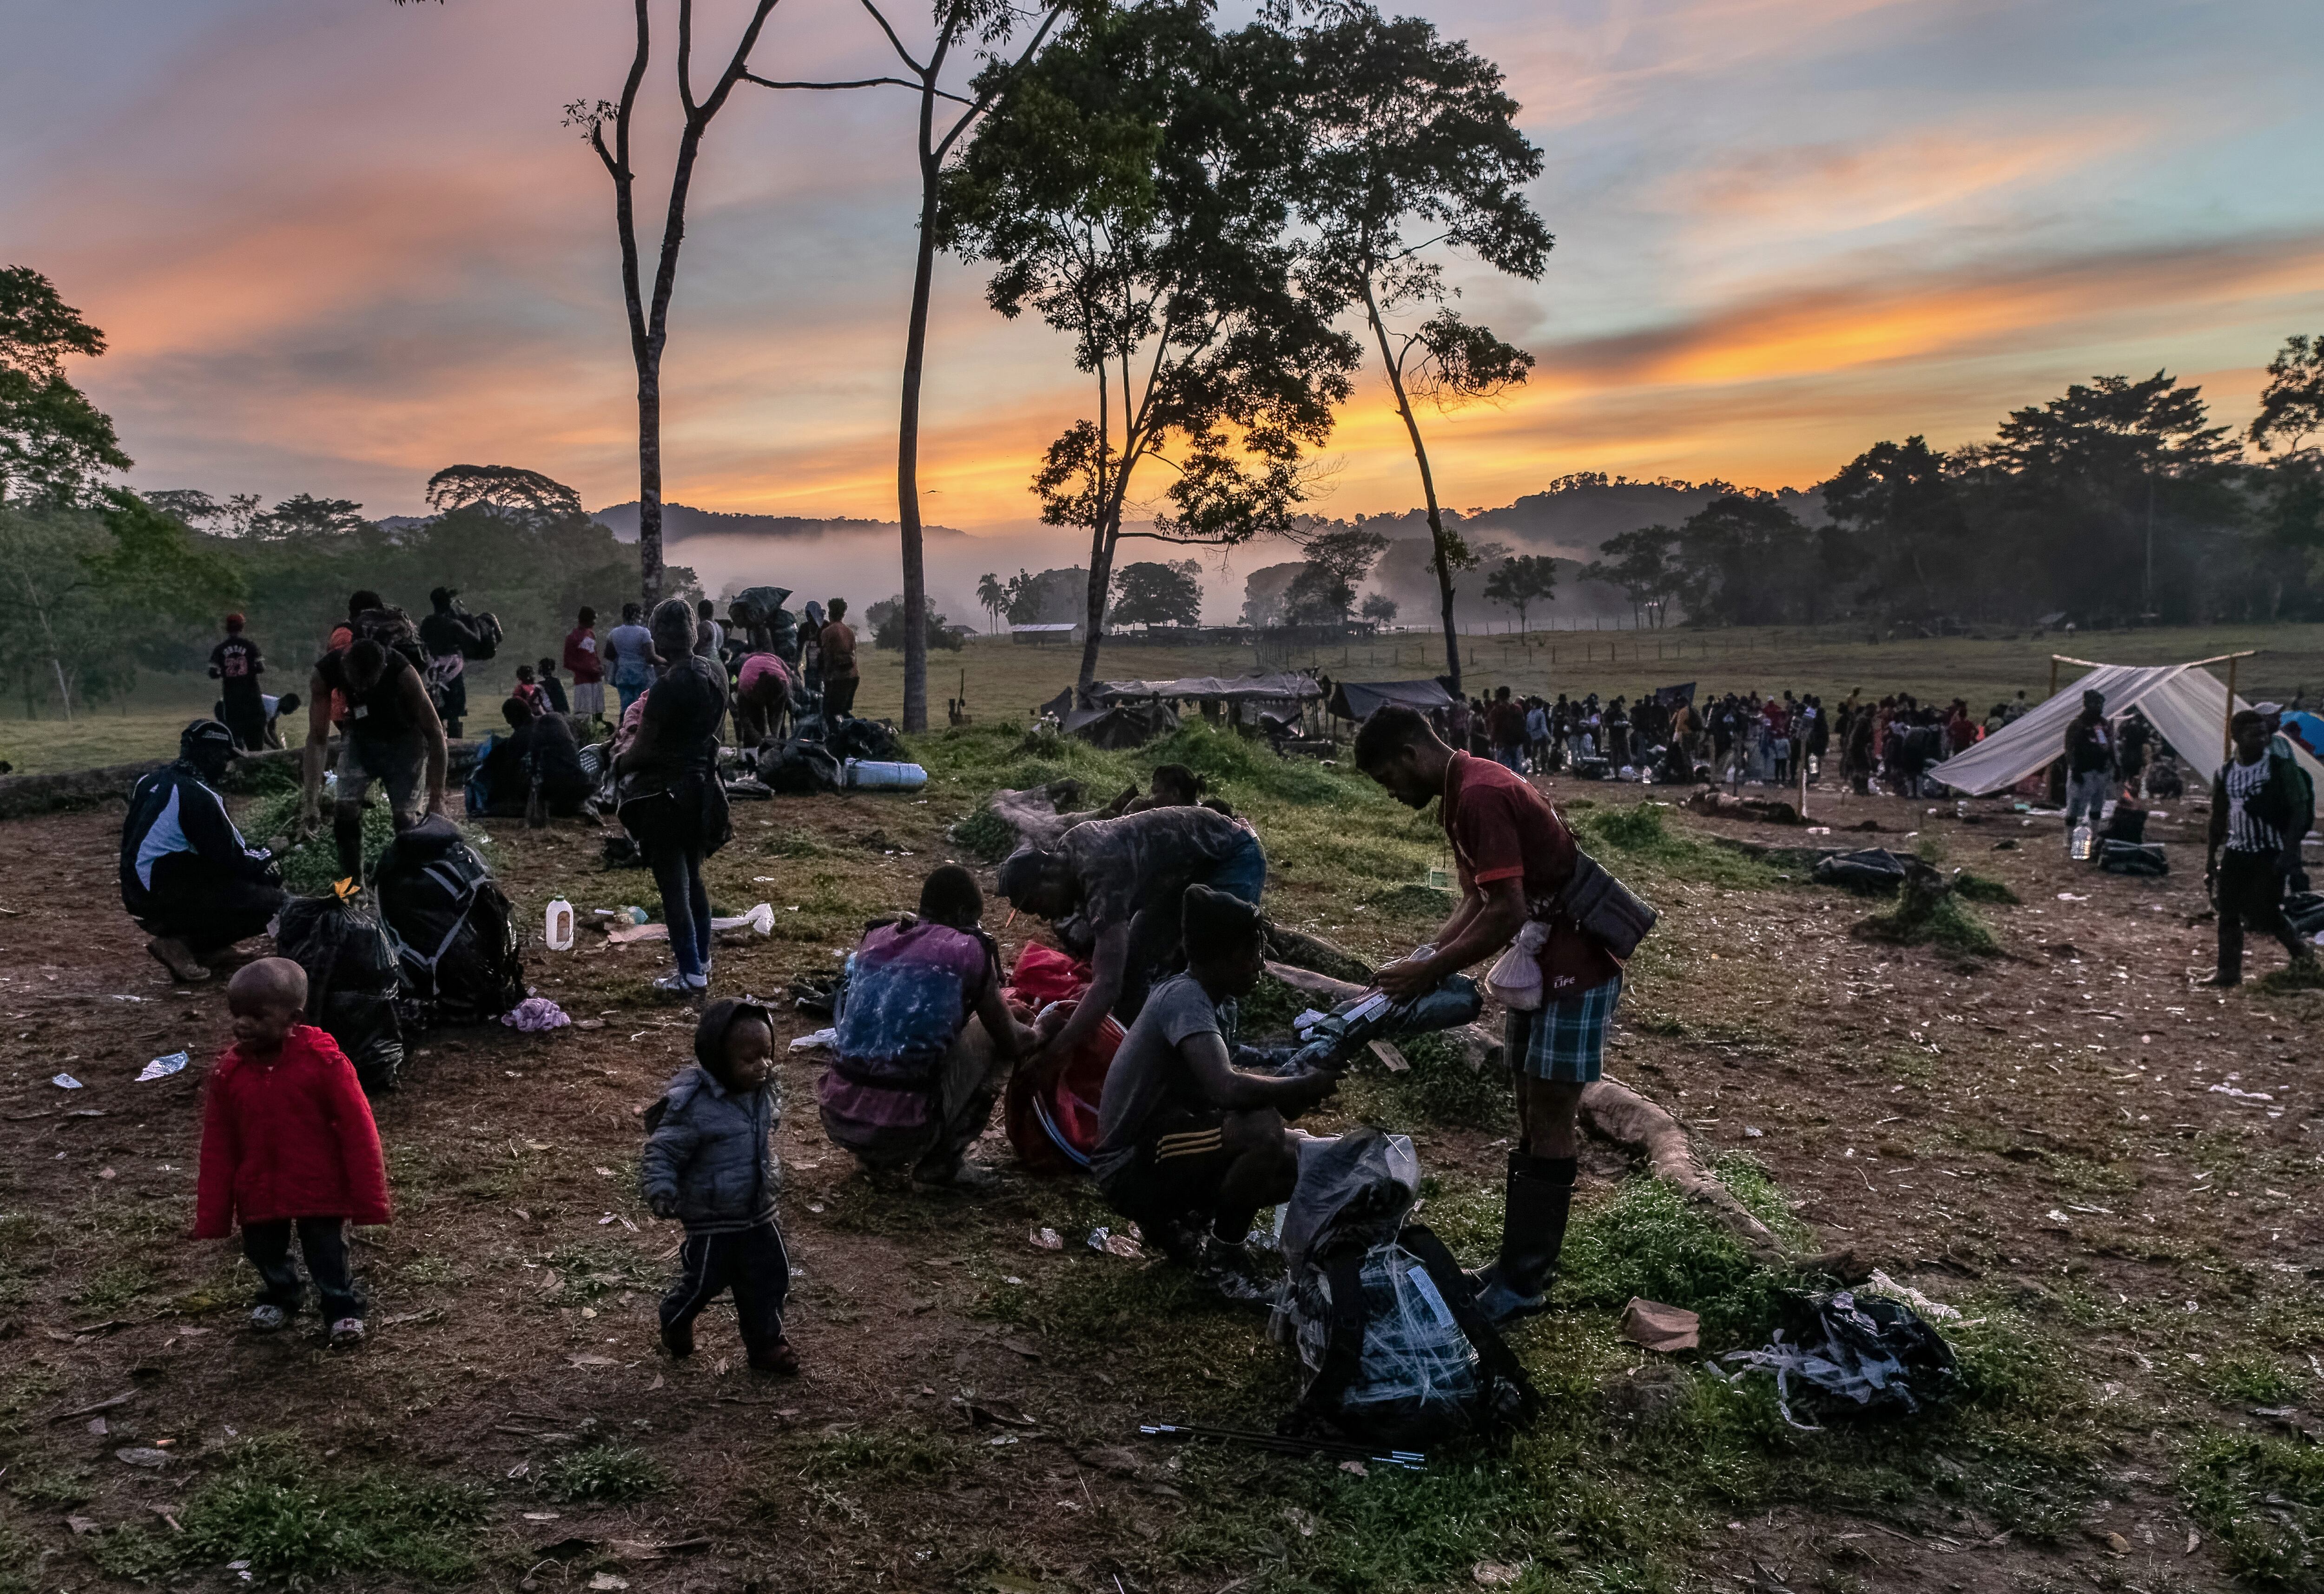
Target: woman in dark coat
{"type": "Point", "coordinates": [673, 803]}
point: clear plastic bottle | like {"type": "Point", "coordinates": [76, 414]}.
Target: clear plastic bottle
{"type": "Point", "coordinates": [2081, 847]}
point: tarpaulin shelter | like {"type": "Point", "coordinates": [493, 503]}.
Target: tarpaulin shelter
{"type": "Point", "coordinates": [1282, 686]}
{"type": "Point", "coordinates": [1358, 700]}
{"type": "Point", "coordinates": [2186, 703]}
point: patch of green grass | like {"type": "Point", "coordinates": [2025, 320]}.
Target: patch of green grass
{"type": "Point", "coordinates": [604, 1474]}
{"type": "Point", "coordinates": [1441, 1088]}
{"type": "Point", "coordinates": [1644, 833]}
{"type": "Point", "coordinates": [2261, 1498]}
{"type": "Point", "coordinates": [1650, 1240]}
{"type": "Point", "coordinates": [1267, 1011]}
{"type": "Point", "coordinates": [1976, 888]}
{"type": "Point", "coordinates": [114, 1287]}
{"type": "Point", "coordinates": [2252, 1380]}
{"type": "Point", "coordinates": [985, 834]}
{"type": "Point", "coordinates": [588, 1271]}
{"type": "Point", "coordinates": [294, 1522]}
{"type": "Point", "coordinates": [885, 1455]}
{"type": "Point", "coordinates": [51, 1483]}
{"type": "Point", "coordinates": [1951, 924]}
{"type": "Point", "coordinates": [311, 869]}
{"type": "Point", "coordinates": [1748, 1180]}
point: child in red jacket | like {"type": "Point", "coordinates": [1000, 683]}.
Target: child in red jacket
{"type": "Point", "coordinates": [287, 1138]}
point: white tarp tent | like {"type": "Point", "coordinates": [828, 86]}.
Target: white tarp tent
{"type": "Point", "coordinates": [2187, 704]}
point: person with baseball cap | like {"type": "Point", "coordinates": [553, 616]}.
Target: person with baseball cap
{"type": "Point", "coordinates": [186, 875]}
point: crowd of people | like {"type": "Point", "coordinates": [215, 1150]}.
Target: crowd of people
{"type": "Point", "coordinates": [1161, 898]}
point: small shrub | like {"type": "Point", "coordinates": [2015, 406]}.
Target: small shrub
{"type": "Point", "coordinates": [272, 1509]}
{"type": "Point", "coordinates": [2252, 1380]}
{"type": "Point", "coordinates": [1649, 1240]}
{"type": "Point", "coordinates": [1977, 889]}
{"type": "Point", "coordinates": [986, 834]}
{"type": "Point", "coordinates": [39, 1484]}
{"type": "Point", "coordinates": [2262, 1499]}
{"type": "Point", "coordinates": [606, 1473]}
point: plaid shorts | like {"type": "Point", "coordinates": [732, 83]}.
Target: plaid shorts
{"type": "Point", "coordinates": [1564, 1043]}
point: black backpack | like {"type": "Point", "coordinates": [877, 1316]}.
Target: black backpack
{"type": "Point", "coordinates": [352, 981]}
{"type": "Point", "coordinates": [453, 927]}
{"type": "Point", "coordinates": [1383, 1321]}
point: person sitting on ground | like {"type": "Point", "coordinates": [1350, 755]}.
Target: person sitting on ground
{"type": "Point", "coordinates": [1116, 884]}
{"type": "Point", "coordinates": [1191, 1147]}
{"type": "Point", "coordinates": [762, 699]}
{"type": "Point", "coordinates": [925, 1038]}
{"type": "Point", "coordinates": [288, 1142]}
{"type": "Point", "coordinates": [2261, 808]}
{"type": "Point", "coordinates": [393, 737]}
{"type": "Point", "coordinates": [538, 747]}
{"type": "Point", "coordinates": [186, 875]}
{"type": "Point", "coordinates": [235, 664]}
{"type": "Point", "coordinates": [552, 690]}
{"type": "Point", "coordinates": [709, 1163]}
{"type": "Point", "coordinates": [1512, 851]}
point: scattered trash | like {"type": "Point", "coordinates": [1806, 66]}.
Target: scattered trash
{"type": "Point", "coordinates": [604, 1580]}
{"type": "Point", "coordinates": [1493, 1574]}
{"type": "Point", "coordinates": [163, 1067]}
{"type": "Point", "coordinates": [1819, 830]}
{"type": "Point", "coordinates": [1657, 1327]}
{"type": "Point", "coordinates": [1115, 1245]}
{"type": "Point", "coordinates": [66, 1081]}
{"type": "Point", "coordinates": [557, 927]}
{"type": "Point", "coordinates": [535, 1015]}
{"type": "Point", "coordinates": [1048, 1240]}
{"type": "Point", "coordinates": [820, 1040]}
{"type": "Point", "coordinates": [1934, 1311]}
{"type": "Point", "coordinates": [140, 1455]}
{"type": "Point", "coordinates": [82, 1527]}
{"type": "Point", "coordinates": [1752, 1134]}
{"type": "Point", "coordinates": [758, 921]}
{"type": "Point", "coordinates": [2071, 897]}
{"type": "Point", "coordinates": [2230, 1090]}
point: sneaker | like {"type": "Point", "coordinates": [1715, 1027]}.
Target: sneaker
{"type": "Point", "coordinates": [347, 1331]}
{"type": "Point", "coordinates": [677, 984]}
{"type": "Point", "coordinates": [679, 1340]}
{"type": "Point", "coordinates": [266, 1319]}
{"type": "Point", "coordinates": [965, 1177]}
{"type": "Point", "coordinates": [1226, 1268]}
{"type": "Point", "coordinates": [777, 1359]}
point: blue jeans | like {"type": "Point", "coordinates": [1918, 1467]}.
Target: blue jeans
{"type": "Point", "coordinates": [1241, 874]}
{"type": "Point", "coordinates": [629, 693]}
{"type": "Point", "coordinates": [685, 907]}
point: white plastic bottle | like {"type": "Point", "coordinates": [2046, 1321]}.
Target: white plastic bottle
{"type": "Point", "coordinates": [2082, 848]}
{"type": "Point", "coordinates": [558, 929]}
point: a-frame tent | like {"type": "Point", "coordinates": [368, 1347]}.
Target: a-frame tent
{"type": "Point", "coordinates": [2185, 702]}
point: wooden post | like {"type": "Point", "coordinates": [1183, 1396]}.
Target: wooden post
{"type": "Point", "coordinates": [2054, 675]}
{"type": "Point", "coordinates": [2228, 721]}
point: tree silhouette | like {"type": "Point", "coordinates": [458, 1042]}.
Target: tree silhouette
{"type": "Point", "coordinates": [1522, 581]}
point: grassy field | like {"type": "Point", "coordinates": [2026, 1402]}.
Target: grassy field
{"type": "Point", "coordinates": [1003, 681]}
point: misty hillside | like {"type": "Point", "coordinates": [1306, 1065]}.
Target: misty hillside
{"type": "Point", "coordinates": [1574, 514]}
{"type": "Point", "coordinates": [680, 521]}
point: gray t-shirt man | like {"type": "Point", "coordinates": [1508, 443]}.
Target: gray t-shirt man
{"type": "Point", "coordinates": [1150, 1071]}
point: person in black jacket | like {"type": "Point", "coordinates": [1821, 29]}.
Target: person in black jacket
{"type": "Point", "coordinates": [186, 875]}
{"type": "Point", "coordinates": [537, 746]}
{"type": "Point", "coordinates": [673, 804]}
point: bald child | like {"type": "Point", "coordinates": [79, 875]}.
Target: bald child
{"type": "Point", "coordinates": [288, 1149]}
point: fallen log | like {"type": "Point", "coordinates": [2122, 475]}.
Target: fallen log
{"type": "Point", "coordinates": [1613, 1111]}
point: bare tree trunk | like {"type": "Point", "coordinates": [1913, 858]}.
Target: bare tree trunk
{"type": "Point", "coordinates": [1109, 520]}
{"type": "Point", "coordinates": [1427, 486]}
{"type": "Point", "coordinates": [907, 439]}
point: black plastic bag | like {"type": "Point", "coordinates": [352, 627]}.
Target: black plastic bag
{"type": "Point", "coordinates": [353, 983]}
{"type": "Point", "coordinates": [1850, 1355]}
{"type": "Point", "coordinates": [1876, 872]}
{"type": "Point", "coordinates": [2132, 858]}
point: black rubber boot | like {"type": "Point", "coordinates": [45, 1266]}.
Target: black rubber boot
{"type": "Point", "coordinates": [1533, 1234]}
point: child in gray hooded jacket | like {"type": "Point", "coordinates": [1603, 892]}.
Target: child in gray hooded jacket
{"type": "Point", "coordinates": [710, 1163]}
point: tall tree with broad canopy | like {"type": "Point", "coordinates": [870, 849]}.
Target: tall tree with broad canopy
{"type": "Point", "coordinates": [1904, 507]}
{"type": "Point", "coordinates": [961, 26]}
{"type": "Point", "coordinates": [1325, 592]}
{"type": "Point", "coordinates": [1640, 562]}
{"type": "Point", "coordinates": [56, 448]}
{"type": "Point", "coordinates": [506, 490]}
{"type": "Point", "coordinates": [1521, 581]}
{"type": "Point", "coordinates": [1160, 593]}
{"type": "Point", "coordinates": [1134, 188]}
{"type": "Point", "coordinates": [1415, 145]}
{"type": "Point", "coordinates": [649, 310]}
{"type": "Point", "coordinates": [2291, 494]}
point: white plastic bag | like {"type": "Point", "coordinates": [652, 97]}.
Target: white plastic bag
{"type": "Point", "coordinates": [1515, 980]}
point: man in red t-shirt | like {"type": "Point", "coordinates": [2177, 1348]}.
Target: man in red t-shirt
{"type": "Point", "coordinates": [588, 669]}
{"type": "Point", "coordinates": [1515, 858]}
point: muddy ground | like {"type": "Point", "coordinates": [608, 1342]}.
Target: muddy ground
{"type": "Point", "coordinates": [2070, 1139]}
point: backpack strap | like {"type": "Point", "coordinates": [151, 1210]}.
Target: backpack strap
{"type": "Point", "coordinates": [1343, 1347]}
{"type": "Point", "coordinates": [1493, 1353]}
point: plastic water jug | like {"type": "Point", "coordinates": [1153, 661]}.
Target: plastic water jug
{"type": "Point", "coordinates": [558, 929]}
{"type": "Point", "coordinates": [871, 775]}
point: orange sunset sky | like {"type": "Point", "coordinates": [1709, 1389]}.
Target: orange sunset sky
{"type": "Point", "coordinates": [338, 244]}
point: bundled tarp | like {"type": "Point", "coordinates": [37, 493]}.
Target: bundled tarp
{"type": "Point", "coordinates": [2188, 704]}
{"type": "Point", "coordinates": [352, 982]}
{"type": "Point", "coordinates": [1358, 700]}
{"type": "Point", "coordinates": [781, 630]}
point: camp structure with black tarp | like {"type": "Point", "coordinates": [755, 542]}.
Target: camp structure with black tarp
{"type": "Point", "coordinates": [2185, 702]}
{"type": "Point", "coordinates": [1358, 700]}
{"type": "Point", "coordinates": [1130, 714]}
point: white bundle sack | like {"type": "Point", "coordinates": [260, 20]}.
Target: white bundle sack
{"type": "Point", "coordinates": [1515, 980]}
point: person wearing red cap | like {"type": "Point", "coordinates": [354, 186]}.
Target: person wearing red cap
{"type": "Point", "coordinates": [236, 664]}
